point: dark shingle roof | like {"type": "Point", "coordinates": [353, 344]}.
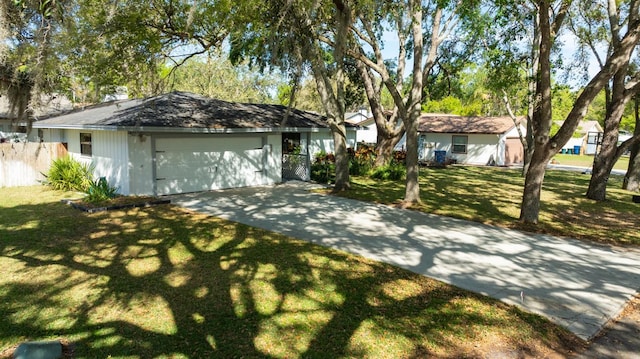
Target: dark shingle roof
{"type": "Point", "coordinates": [185, 110]}
{"type": "Point", "coordinates": [440, 123]}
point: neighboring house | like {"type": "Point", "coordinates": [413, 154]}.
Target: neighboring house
{"type": "Point", "coordinates": [51, 104]}
{"type": "Point", "coordinates": [623, 136]}
{"type": "Point", "coordinates": [367, 131]}
{"type": "Point", "coordinates": [182, 142]}
{"type": "Point", "coordinates": [470, 140]}
{"type": "Point", "coordinates": [586, 138]}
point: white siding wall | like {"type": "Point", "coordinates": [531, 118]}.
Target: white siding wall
{"type": "Point", "coordinates": [432, 142]}
{"type": "Point", "coordinates": [51, 135]}
{"type": "Point", "coordinates": [109, 154]}
{"type": "Point", "coordinates": [140, 165]}
{"type": "Point", "coordinates": [323, 141]}
{"type": "Point", "coordinates": [369, 134]}
{"type": "Point", "coordinates": [111, 158]}
{"type": "Point", "coordinates": [481, 149]}
{"type": "Point", "coordinates": [273, 161]}
{"type": "Point", "coordinates": [72, 138]}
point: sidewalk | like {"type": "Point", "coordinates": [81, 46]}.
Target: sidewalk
{"type": "Point", "coordinates": [575, 284]}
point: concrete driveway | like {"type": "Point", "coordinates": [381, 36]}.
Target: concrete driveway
{"type": "Point", "coordinates": [575, 284]}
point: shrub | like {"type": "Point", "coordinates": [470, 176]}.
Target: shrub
{"type": "Point", "coordinates": [68, 174]}
{"type": "Point", "coordinates": [361, 161]}
{"type": "Point", "coordinates": [100, 191]}
{"type": "Point", "coordinates": [323, 168]}
{"type": "Point", "coordinates": [393, 171]}
{"type": "Point", "coordinates": [400, 156]}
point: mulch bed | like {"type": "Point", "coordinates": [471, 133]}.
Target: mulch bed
{"type": "Point", "coordinates": [121, 202]}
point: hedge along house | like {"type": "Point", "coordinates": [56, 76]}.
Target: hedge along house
{"type": "Point", "coordinates": [471, 140]}
{"type": "Point", "coordinates": [182, 142]}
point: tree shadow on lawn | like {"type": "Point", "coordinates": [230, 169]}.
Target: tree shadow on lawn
{"type": "Point", "coordinates": [162, 282]}
{"type": "Point", "coordinates": [493, 196]}
{"type": "Point", "coordinates": [452, 191]}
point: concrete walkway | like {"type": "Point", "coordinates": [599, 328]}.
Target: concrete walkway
{"type": "Point", "coordinates": [575, 284]}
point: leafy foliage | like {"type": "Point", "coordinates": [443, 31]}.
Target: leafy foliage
{"type": "Point", "coordinates": [100, 191]}
{"type": "Point", "coordinates": [361, 163]}
{"type": "Point", "coordinates": [362, 160]}
{"type": "Point", "coordinates": [393, 171]}
{"type": "Point", "coordinates": [68, 174]}
{"type": "Point", "coordinates": [323, 168]}
{"type": "Point", "coordinates": [215, 76]}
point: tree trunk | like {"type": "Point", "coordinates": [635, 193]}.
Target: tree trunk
{"type": "Point", "coordinates": [607, 156]}
{"type": "Point", "coordinates": [384, 149]}
{"type": "Point", "coordinates": [389, 133]}
{"type": "Point", "coordinates": [412, 192]}
{"type": "Point", "coordinates": [334, 103]}
{"type": "Point", "coordinates": [541, 122]}
{"type": "Point", "coordinates": [545, 147]}
{"type": "Point", "coordinates": [602, 166]}
{"type": "Point", "coordinates": [342, 161]}
{"type": "Point", "coordinates": [529, 145]}
{"type": "Point", "coordinates": [632, 177]}
{"type": "Point", "coordinates": [530, 208]}
{"type": "Point", "coordinates": [528, 154]}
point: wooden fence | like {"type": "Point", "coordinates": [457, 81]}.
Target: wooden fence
{"type": "Point", "coordinates": [23, 163]}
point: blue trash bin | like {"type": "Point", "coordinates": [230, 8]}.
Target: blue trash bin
{"type": "Point", "coordinates": [440, 156]}
{"type": "Point", "coordinates": [576, 150]}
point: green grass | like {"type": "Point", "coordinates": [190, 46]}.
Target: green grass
{"type": "Point", "coordinates": [493, 196]}
{"type": "Point", "coordinates": [161, 282]}
{"type": "Point", "coordinates": [587, 161]}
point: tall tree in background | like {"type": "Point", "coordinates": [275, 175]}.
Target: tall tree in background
{"type": "Point", "coordinates": [293, 35]}
{"type": "Point", "coordinates": [632, 177]}
{"type": "Point", "coordinates": [215, 76]}
{"type": "Point", "coordinates": [599, 25]}
{"type": "Point", "coordinates": [129, 42]}
{"type": "Point", "coordinates": [28, 62]}
{"type": "Point", "coordinates": [513, 53]}
{"type": "Point", "coordinates": [551, 19]}
{"type": "Point", "coordinates": [421, 28]}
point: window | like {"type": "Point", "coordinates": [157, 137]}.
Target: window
{"type": "Point", "coordinates": [85, 144]}
{"type": "Point", "coordinates": [459, 144]}
{"type": "Point", "coordinates": [594, 138]}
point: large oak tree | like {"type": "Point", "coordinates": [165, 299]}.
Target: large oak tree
{"type": "Point", "coordinates": [551, 18]}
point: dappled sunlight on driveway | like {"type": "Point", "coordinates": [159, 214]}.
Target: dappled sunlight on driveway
{"type": "Point", "coordinates": [576, 284]}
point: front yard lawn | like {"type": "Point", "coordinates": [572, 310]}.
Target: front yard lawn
{"type": "Point", "coordinates": [160, 282]}
{"type": "Point", "coordinates": [493, 195]}
{"type": "Point", "coordinates": [586, 161]}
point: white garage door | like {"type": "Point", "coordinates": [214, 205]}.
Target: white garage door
{"type": "Point", "coordinates": [205, 163]}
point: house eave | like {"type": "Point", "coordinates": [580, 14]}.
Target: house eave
{"type": "Point", "coordinates": [194, 130]}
